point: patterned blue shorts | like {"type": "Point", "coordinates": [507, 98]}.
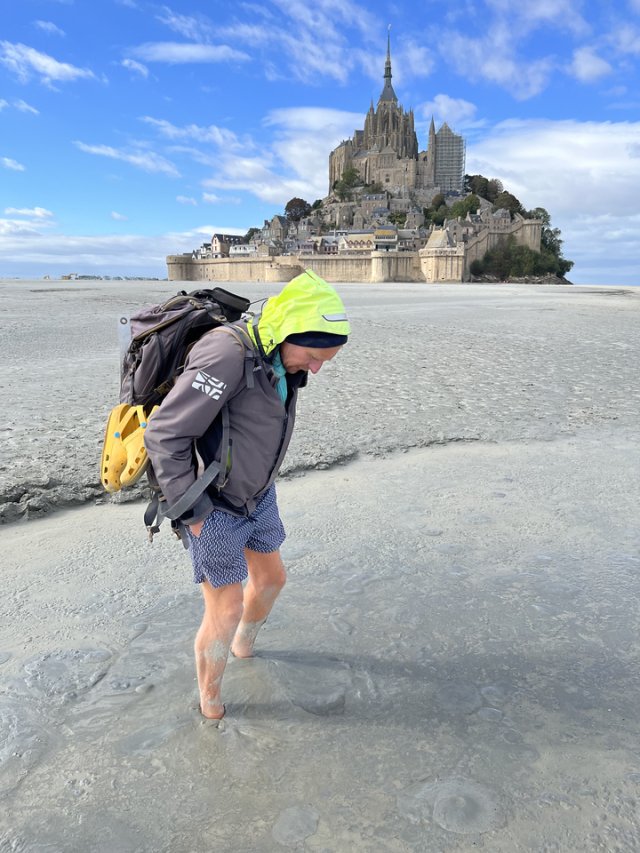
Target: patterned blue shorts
{"type": "Point", "coordinates": [217, 553]}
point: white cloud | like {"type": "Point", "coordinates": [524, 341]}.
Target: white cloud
{"type": "Point", "coordinates": [27, 251]}
{"type": "Point", "coordinates": [523, 18]}
{"type": "Point", "coordinates": [148, 161]}
{"type": "Point", "coordinates": [310, 56]}
{"type": "Point", "coordinates": [492, 58]}
{"type": "Point", "coordinates": [49, 27]}
{"type": "Point", "coordinates": [587, 66]}
{"type": "Point", "coordinates": [255, 10]}
{"type": "Point", "coordinates": [197, 29]}
{"type": "Point", "coordinates": [416, 59]}
{"type": "Point", "coordinates": [24, 107]}
{"type": "Point", "coordinates": [212, 198]}
{"type": "Point", "coordinates": [626, 39]}
{"type": "Point", "coordinates": [575, 170]}
{"type": "Point", "coordinates": [25, 62]}
{"type": "Point", "coordinates": [208, 230]}
{"type": "Point", "coordinates": [30, 222]}
{"type": "Point", "coordinates": [326, 18]}
{"type": "Point", "coordinates": [138, 67]}
{"type": "Point", "coordinates": [185, 199]}
{"type": "Point", "coordinates": [295, 164]}
{"type": "Point", "coordinates": [177, 53]}
{"type": "Point", "coordinates": [455, 111]}
{"type": "Point", "coordinates": [311, 42]}
{"type": "Point", "coordinates": [20, 105]}
{"type": "Point", "coordinates": [8, 163]}
{"type": "Point", "coordinates": [32, 212]}
{"type": "Point", "coordinates": [119, 217]}
{"type": "Point", "coordinates": [212, 134]}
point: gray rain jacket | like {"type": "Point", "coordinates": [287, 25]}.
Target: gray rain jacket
{"type": "Point", "coordinates": [217, 372]}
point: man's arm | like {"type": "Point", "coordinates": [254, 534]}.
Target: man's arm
{"type": "Point", "coordinates": [214, 370]}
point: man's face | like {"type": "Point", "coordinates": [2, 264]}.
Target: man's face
{"type": "Point", "coordinates": [295, 358]}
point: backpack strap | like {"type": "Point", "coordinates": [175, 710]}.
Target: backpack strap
{"type": "Point", "coordinates": [254, 326]}
{"type": "Point", "coordinates": [250, 357]}
{"type": "Point", "coordinates": [157, 509]}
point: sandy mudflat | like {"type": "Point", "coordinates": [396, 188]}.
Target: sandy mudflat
{"type": "Point", "coordinates": [454, 664]}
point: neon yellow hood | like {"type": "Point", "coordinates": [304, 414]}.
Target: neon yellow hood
{"type": "Point", "coordinates": [306, 304]}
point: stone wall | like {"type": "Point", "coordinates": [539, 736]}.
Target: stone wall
{"type": "Point", "coordinates": [378, 266]}
{"type": "Point", "coordinates": [443, 265]}
{"type": "Point", "coordinates": [527, 232]}
{"type": "Point", "coordinates": [185, 268]}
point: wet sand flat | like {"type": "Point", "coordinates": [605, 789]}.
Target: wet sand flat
{"type": "Point", "coordinates": [454, 662]}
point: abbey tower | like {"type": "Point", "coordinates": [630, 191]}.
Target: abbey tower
{"type": "Point", "coordinates": [386, 151]}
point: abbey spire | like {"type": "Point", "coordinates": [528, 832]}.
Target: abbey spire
{"type": "Point", "coordinates": [385, 152]}
{"type": "Point", "coordinates": [387, 93]}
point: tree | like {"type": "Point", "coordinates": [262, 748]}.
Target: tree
{"type": "Point", "coordinates": [550, 242]}
{"type": "Point", "coordinates": [351, 177]}
{"type": "Point", "coordinates": [437, 211]}
{"type": "Point", "coordinates": [511, 260]}
{"type": "Point", "coordinates": [317, 204]}
{"type": "Point", "coordinates": [398, 218]}
{"type": "Point", "coordinates": [247, 237]}
{"type": "Point", "coordinates": [542, 214]}
{"type": "Point", "coordinates": [470, 204]}
{"type": "Point", "coordinates": [479, 185]}
{"type": "Point", "coordinates": [347, 183]}
{"type": "Point", "coordinates": [297, 208]}
{"type": "Point", "coordinates": [488, 188]}
{"type": "Point", "coordinates": [507, 201]}
{"type": "Point", "coordinates": [494, 188]}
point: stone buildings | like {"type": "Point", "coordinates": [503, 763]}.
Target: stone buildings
{"type": "Point", "coordinates": [385, 153]}
{"type": "Point", "coordinates": [376, 230]}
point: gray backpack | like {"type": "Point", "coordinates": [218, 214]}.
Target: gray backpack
{"type": "Point", "coordinates": [162, 335]}
{"type": "Point", "coordinates": [156, 341]}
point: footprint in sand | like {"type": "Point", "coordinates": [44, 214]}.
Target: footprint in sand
{"type": "Point", "coordinates": [22, 742]}
{"type": "Point", "coordinates": [319, 687]}
{"type": "Point", "coordinates": [66, 674]}
{"type": "Point", "coordinates": [457, 805]}
{"type": "Point", "coordinates": [294, 825]}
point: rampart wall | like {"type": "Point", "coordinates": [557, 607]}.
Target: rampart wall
{"type": "Point", "coordinates": [379, 266]}
{"type": "Point", "coordinates": [186, 268]}
{"type": "Point", "coordinates": [527, 232]}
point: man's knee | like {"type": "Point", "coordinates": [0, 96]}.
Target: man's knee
{"type": "Point", "coordinates": [266, 571]}
{"type": "Point", "coordinates": [222, 604]}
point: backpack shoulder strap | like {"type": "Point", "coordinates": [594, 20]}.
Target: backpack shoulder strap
{"type": "Point", "coordinates": [250, 355]}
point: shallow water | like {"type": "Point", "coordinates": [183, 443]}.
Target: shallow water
{"type": "Point", "coordinates": [475, 689]}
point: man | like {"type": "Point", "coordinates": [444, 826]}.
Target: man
{"type": "Point", "coordinates": [234, 406]}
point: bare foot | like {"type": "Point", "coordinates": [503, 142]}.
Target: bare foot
{"type": "Point", "coordinates": [215, 710]}
{"type": "Point", "coordinates": [246, 633]}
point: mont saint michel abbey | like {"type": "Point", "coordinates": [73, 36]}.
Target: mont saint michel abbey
{"type": "Point", "coordinates": [386, 151]}
{"type": "Point", "coordinates": [376, 231]}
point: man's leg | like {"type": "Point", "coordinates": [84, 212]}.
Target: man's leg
{"type": "Point", "coordinates": [222, 612]}
{"type": "Point", "coordinates": [266, 578]}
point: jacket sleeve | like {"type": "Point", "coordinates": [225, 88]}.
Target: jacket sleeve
{"type": "Point", "coordinates": [213, 372]}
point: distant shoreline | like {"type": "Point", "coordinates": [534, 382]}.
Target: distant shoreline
{"type": "Point", "coordinates": [142, 279]}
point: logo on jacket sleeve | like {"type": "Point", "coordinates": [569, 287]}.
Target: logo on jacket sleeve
{"type": "Point", "coordinates": [209, 385]}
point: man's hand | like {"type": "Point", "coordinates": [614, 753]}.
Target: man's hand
{"type": "Point", "coordinates": [196, 528]}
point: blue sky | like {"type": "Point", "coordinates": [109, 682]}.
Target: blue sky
{"type": "Point", "coordinates": [130, 130]}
